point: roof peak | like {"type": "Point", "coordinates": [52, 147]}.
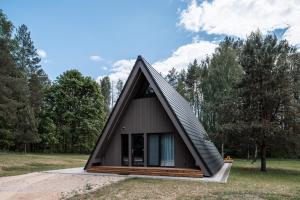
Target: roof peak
{"type": "Point", "coordinates": [139, 57]}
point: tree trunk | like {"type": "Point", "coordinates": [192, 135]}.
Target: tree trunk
{"type": "Point", "coordinates": [222, 147]}
{"type": "Point", "coordinates": [25, 150]}
{"type": "Point", "coordinates": [255, 154]}
{"type": "Point", "coordinates": [248, 153]}
{"type": "Point", "coordinates": [263, 162]}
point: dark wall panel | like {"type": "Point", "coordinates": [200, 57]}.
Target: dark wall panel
{"type": "Point", "coordinates": [145, 115]}
{"type": "Point", "coordinates": [183, 157]}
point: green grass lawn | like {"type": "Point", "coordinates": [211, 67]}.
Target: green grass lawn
{"type": "Point", "coordinates": [16, 164]}
{"type": "Point", "coordinates": [282, 181]}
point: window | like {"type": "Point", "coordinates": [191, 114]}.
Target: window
{"type": "Point", "coordinates": [145, 91]}
{"type": "Point", "coordinates": [167, 150]}
{"type": "Point", "coordinates": [153, 150]}
{"type": "Point", "coordinates": [124, 147]}
{"type": "Point", "coordinates": [137, 149]}
{"type": "Point", "coordinates": [149, 92]}
{"type": "Point", "coordinates": [161, 150]}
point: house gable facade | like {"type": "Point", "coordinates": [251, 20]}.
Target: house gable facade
{"type": "Point", "coordinates": [151, 125]}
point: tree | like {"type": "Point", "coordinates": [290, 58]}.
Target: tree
{"type": "Point", "coordinates": [106, 92]}
{"type": "Point", "coordinates": [193, 80]}
{"type": "Point", "coordinates": [219, 79]}
{"type": "Point", "coordinates": [293, 118]}
{"type": "Point", "coordinates": [181, 86]}
{"type": "Point", "coordinates": [8, 80]}
{"type": "Point", "coordinates": [37, 83]}
{"type": "Point", "coordinates": [119, 87]}
{"type": "Point", "coordinates": [265, 88]}
{"type": "Point", "coordinates": [172, 77]}
{"type": "Point", "coordinates": [28, 61]}
{"type": "Point", "coordinates": [34, 79]}
{"type": "Point", "coordinates": [75, 106]}
{"type": "Point", "coordinates": [48, 133]}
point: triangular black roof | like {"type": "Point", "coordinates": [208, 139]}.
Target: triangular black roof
{"type": "Point", "coordinates": [205, 153]}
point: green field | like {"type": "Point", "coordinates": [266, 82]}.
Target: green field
{"type": "Point", "coordinates": [282, 181]}
{"type": "Point", "coordinates": [16, 164]}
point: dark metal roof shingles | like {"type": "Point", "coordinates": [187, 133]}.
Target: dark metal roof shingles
{"type": "Point", "coordinates": [189, 121]}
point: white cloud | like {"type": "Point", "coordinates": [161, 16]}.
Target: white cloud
{"type": "Point", "coordinates": [42, 53]}
{"type": "Point", "coordinates": [190, 17]}
{"type": "Point", "coordinates": [240, 17]}
{"type": "Point", "coordinates": [179, 59]}
{"type": "Point", "coordinates": [120, 70]}
{"type": "Point", "coordinates": [95, 58]}
{"type": "Point", "coordinates": [185, 55]}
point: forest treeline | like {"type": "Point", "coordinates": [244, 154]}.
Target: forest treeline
{"type": "Point", "coordinates": [246, 94]}
{"type": "Point", "coordinates": [37, 115]}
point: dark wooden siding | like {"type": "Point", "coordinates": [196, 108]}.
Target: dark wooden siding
{"type": "Point", "coordinates": [145, 115]}
{"type": "Point", "coordinates": [183, 157]}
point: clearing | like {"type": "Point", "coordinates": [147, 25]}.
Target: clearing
{"type": "Point", "coordinates": [41, 185]}
{"type": "Point", "coordinates": [17, 163]}
{"type": "Point", "coordinates": [282, 181]}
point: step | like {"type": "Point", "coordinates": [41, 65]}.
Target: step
{"type": "Point", "coordinates": [154, 171]}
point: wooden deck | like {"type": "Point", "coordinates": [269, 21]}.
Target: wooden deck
{"type": "Point", "coordinates": [151, 171]}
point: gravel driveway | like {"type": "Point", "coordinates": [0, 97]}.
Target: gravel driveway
{"type": "Point", "coordinates": [50, 186]}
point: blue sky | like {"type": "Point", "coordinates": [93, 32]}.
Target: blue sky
{"type": "Point", "coordinates": [168, 33]}
{"type": "Point", "coordinates": [72, 31]}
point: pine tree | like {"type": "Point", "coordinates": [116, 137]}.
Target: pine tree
{"type": "Point", "coordinates": [31, 95]}
{"type": "Point", "coordinates": [8, 79]}
{"type": "Point", "coordinates": [172, 77]}
{"type": "Point", "coordinates": [106, 92]}
{"type": "Point", "coordinates": [265, 89]}
{"type": "Point", "coordinates": [29, 62]}
{"type": "Point", "coordinates": [181, 86]}
{"type": "Point", "coordinates": [119, 87]}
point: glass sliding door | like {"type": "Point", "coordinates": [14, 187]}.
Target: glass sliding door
{"type": "Point", "coordinates": [161, 150]}
{"type": "Point", "coordinates": [167, 150]}
{"type": "Point", "coordinates": [137, 149]}
{"type": "Point", "coordinates": [153, 150]}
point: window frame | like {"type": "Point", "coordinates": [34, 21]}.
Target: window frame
{"type": "Point", "coordinates": [159, 149]}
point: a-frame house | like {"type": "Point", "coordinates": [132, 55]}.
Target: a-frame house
{"type": "Point", "coordinates": [152, 130]}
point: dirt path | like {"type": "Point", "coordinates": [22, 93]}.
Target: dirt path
{"type": "Point", "coordinates": [50, 186]}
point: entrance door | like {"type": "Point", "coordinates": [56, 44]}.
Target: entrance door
{"type": "Point", "coordinates": [137, 149]}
